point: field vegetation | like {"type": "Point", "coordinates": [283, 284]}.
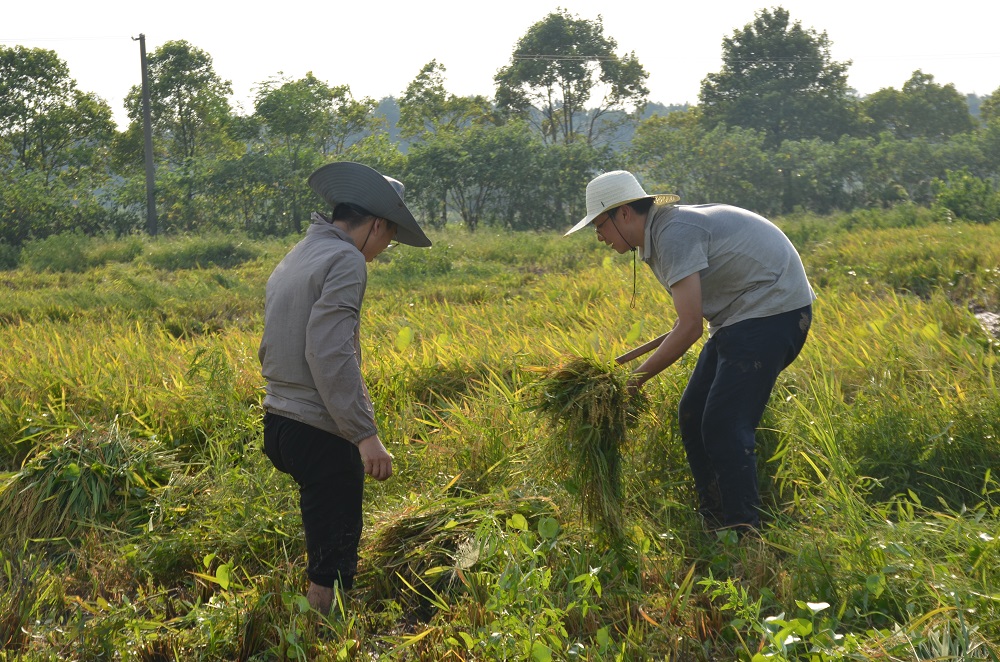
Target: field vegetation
{"type": "Point", "coordinates": [139, 519]}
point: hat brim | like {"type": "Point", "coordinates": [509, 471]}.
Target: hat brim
{"type": "Point", "coordinates": [357, 184]}
{"type": "Point", "coordinates": [659, 199]}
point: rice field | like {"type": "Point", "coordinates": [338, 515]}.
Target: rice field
{"type": "Point", "coordinates": [139, 519]}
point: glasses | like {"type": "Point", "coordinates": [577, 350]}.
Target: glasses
{"type": "Point", "coordinates": [611, 216]}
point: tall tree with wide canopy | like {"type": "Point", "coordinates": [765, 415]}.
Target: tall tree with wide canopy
{"type": "Point", "coordinates": [188, 101]}
{"type": "Point", "coordinates": [45, 121]}
{"type": "Point", "coordinates": [778, 77]}
{"type": "Point", "coordinates": [562, 64]}
{"type": "Point", "coordinates": [427, 112]}
{"type": "Point", "coordinates": [922, 109]}
{"type": "Point", "coordinates": [292, 116]}
{"type": "Point", "coordinates": [190, 110]}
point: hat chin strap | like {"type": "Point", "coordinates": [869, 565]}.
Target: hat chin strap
{"type": "Point", "coordinates": [615, 223]}
{"type": "Point", "coordinates": [370, 228]}
{"type": "Point", "coordinates": [631, 248]}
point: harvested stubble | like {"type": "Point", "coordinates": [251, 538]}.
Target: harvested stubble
{"type": "Point", "coordinates": [590, 411]}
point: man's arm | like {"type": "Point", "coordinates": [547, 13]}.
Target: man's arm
{"type": "Point", "coordinates": [686, 332]}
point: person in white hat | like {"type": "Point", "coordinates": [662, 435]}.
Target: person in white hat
{"type": "Point", "coordinates": [319, 424]}
{"type": "Point", "coordinates": [739, 272]}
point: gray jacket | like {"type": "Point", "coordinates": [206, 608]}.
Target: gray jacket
{"type": "Point", "coordinates": [310, 352]}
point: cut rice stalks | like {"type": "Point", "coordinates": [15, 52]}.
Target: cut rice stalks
{"type": "Point", "coordinates": [589, 409]}
{"type": "Point", "coordinates": [420, 551]}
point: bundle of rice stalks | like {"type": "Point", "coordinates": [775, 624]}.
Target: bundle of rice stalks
{"type": "Point", "coordinates": [95, 477]}
{"type": "Point", "coordinates": [421, 551]}
{"type": "Point", "coordinates": [590, 411]}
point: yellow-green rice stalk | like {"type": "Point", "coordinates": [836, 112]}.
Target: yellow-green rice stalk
{"type": "Point", "coordinates": [589, 409]}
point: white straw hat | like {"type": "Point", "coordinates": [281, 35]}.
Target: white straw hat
{"type": "Point", "coordinates": [613, 189]}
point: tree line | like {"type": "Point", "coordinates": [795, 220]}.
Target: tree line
{"type": "Point", "coordinates": [777, 129]}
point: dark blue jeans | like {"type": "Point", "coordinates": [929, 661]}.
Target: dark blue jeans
{"type": "Point", "coordinates": [723, 404]}
{"type": "Point", "coordinates": [331, 479]}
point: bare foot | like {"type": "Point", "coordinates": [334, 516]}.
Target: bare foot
{"type": "Point", "coordinates": [320, 598]}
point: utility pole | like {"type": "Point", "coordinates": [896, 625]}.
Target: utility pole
{"type": "Point", "coordinates": [147, 132]}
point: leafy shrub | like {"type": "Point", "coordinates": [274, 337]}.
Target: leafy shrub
{"type": "Point", "coordinates": [59, 252]}
{"type": "Point", "coordinates": [9, 256]}
{"type": "Point", "coordinates": [76, 253]}
{"type": "Point", "coordinates": [124, 250]}
{"type": "Point", "coordinates": [967, 196]}
{"type": "Point", "coordinates": [200, 252]}
{"type": "Point", "coordinates": [411, 262]}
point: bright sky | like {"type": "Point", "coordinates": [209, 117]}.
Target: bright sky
{"type": "Point", "coordinates": [377, 48]}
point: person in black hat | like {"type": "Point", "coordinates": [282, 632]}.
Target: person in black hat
{"type": "Point", "coordinates": [319, 425]}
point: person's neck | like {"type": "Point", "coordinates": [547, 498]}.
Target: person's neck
{"type": "Point", "coordinates": [358, 233]}
{"type": "Point", "coordinates": [635, 233]}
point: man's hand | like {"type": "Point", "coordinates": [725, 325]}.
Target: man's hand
{"type": "Point", "coordinates": [378, 462]}
{"type": "Point", "coordinates": [634, 383]}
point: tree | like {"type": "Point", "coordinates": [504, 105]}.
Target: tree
{"type": "Point", "coordinates": [545, 193]}
{"type": "Point", "coordinates": [292, 117]}
{"type": "Point", "coordinates": [778, 77]}
{"type": "Point", "coordinates": [922, 109]}
{"type": "Point", "coordinates": [967, 196]}
{"type": "Point", "coordinates": [45, 121]}
{"type": "Point", "coordinates": [989, 109]}
{"type": "Point", "coordinates": [249, 190]}
{"type": "Point", "coordinates": [190, 110]}
{"type": "Point", "coordinates": [349, 121]}
{"type": "Point", "coordinates": [427, 110]}
{"type": "Point", "coordinates": [674, 153]}
{"type": "Point", "coordinates": [474, 165]}
{"type": "Point", "coordinates": [906, 169]}
{"type": "Point", "coordinates": [558, 67]}
{"type": "Point", "coordinates": [989, 135]}
{"type": "Point", "coordinates": [427, 107]}
{"type": "Point", "coordinates": [53, 146]}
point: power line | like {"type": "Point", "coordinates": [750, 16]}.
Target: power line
{"type": "Point", "coordinates": [568, 58]}
{"type": "Point", "coordinates": [15, 40]}
{"type": "Point", "coordinates": [775, 60]}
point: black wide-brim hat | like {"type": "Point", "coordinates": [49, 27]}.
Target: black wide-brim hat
{"type": "Point", "coordinates": [357, 184]}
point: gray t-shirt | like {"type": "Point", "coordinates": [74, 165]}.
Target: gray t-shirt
{"type": "Point", "coordinates": [748, 267]}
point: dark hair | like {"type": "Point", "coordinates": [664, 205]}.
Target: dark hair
{"type": "Point", "coordinates": [641, 205]}
{"type": "Point", "coordinates": [350, 214]}
{"type": "Point", "coordinates": [354, 215]}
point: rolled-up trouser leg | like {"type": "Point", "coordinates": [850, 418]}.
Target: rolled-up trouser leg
{"type": "Point", "coordinates": [330, 476]}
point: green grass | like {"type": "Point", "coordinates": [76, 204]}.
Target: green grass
{"type": "Point", "coordinates": [141, 521]}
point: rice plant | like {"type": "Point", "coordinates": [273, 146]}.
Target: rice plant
{"type": "Point", "coordinates": [590, 412]}
{"type": "Point", "coordinates": [93, 478]}
{"type": "Point", "coordinates": [130, 426]}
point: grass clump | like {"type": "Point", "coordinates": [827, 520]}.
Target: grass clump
{"type": "Point", "coordinates": [95, 477]}
{"type": "Point", "coordinates": [589, 409]}
{"type": "Point", "coordinates": [74, 253]}
{"type": "Point", "coordinates": [412, 551]}
{"type": "Point", "coordinates": [200, 252]}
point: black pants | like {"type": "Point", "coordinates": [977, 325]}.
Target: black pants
{"type": "Point", "coordinates": [331, 478]}
{"type": "Point", "coordinates": [723, 404]}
